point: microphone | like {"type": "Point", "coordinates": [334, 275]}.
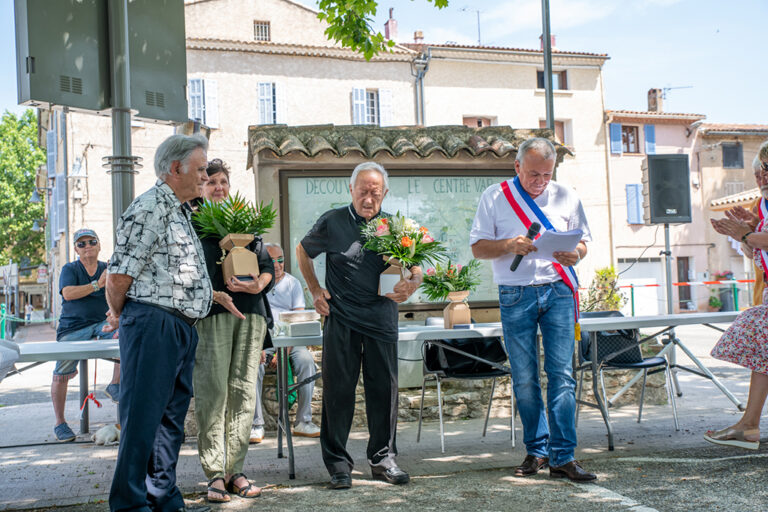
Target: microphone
{"type": "Point", "coordinates": [530, 235]}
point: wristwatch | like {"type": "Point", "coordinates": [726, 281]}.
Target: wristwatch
{"type": "Point", "coordinates": [95, 285]}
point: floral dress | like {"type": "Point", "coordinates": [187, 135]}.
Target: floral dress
{"type": "Point", "coordinates": [745, 342]}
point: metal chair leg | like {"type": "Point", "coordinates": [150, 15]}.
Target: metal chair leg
{"type": "Point", "coordinates": [490, 401]}
{"type": "Point", "coordinates": [440, 411]}
{"type": "Point", "coordinates": [421, 408]}
{"type": "Point", "coordinates": [642, 396]}
{"type": "Point", "coordinates": [605, 396]}
{"type": "Point", "coordinates": [671, 395]}
{"type": "Point", "coordinates": [578, 395]}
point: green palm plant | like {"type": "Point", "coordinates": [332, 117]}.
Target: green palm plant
{"type": "Point", "coordinates": [233, 215]}
{"type": "Point", "coordinates": [444, 279]}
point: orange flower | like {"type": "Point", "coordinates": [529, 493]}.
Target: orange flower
{"type": "Point", "coordinates": [406, 242]}
{"type": "Point", "coordinates": [423, 230]}
{"type": "Point", "coordinates": [384, 220]}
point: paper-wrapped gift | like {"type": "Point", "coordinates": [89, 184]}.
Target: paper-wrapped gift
{"type": "Point", "coordinates": [239, 261]}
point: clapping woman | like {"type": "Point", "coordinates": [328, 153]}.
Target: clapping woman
{"type": "Point", "coordinates": [227, 360]}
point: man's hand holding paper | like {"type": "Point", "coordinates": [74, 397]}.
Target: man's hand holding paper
{"type": "Point", "coordinates": [559, 247]}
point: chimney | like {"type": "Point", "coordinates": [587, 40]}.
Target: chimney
{"type": "Point", "coordinates": [551, 42]}
{"type": "Point", "coordinates": [390, 27]}
{"type": "Point", "coordinates": [655, 100]}
{"type": "Point", "coordinates": [418, 37]}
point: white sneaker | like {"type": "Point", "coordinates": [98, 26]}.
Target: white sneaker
{"type": "Point", "coordinates": [306, 429]}
{"type": "Point", "coordinates": [257, 435]}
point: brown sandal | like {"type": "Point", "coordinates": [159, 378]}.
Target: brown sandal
{"type": "Point", "coordinates": [733, 437]}
{"type": "Point", "coordinates": [243, 492]}
{"type": "Point", "coordinates": [223, 493]}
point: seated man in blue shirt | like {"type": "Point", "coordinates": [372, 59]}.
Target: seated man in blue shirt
{"type": "Point", "coordinates": [287, 295]}
{"type": "Point", "coordinates": [83, 316]}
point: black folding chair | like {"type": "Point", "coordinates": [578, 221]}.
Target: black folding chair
{"type": "Point", "coordinates": [616, 350]}
{"type": "Point", "coordinates": [464, 359]}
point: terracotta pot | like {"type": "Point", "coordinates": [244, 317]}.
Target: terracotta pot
{"type": "Point", "coordinates": [239, 261]}
{"type": "Point", "coordinates": [457, 311]}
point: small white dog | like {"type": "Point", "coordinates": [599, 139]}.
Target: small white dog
{"type": "Point", "coordinates": [107, 435]}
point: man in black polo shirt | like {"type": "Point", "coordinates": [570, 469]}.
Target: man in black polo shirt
{"type": "Point", "coordinates": [361, 325]}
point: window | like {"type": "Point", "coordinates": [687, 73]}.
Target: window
{"type": "Point", "coordinates": [559, 130]}
{"type": "Point", "coordinates": [261, 31]}
{"type": "Point", "coordinates": [629, 139]}
{"type": "Point", "coordinates": [733, 156]}
{"type": "Point", "coordinates": [733, 187]}
{"type": "Point", "coordinates": [372, 106]}
{"type": "Point", "coordinates": [203, 101]}
{"type": "Point", "coordinates": [267, 103]}
{"type": "Point", "coordinates": [559, 80]}
{"type": "Point", "coordinates": [476, 122]}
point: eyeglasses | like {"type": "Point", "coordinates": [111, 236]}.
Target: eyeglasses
{"type": "Point", "coordinates": [764, 166]}
{"type": "Point", "coordinates": [762, 175]}
{"type": "Point", "coordinates": [278, 260]}
{"type": "Point", "coordinates": [89, 242]}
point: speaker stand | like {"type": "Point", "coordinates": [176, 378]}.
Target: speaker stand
{"type": "Point", "coordinates": [670, 336]}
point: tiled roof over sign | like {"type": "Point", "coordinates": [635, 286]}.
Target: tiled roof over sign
{"type": "Point", "coordinates": [555, 51]}
{"type": "Point", "coordinates": [744, 128]}
{"type": "Point", "coordinates": [370, 141]}
{"type": "Point", "coordinates": [739, 199]}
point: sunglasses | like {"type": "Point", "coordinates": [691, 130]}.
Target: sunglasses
{"type": "Point", "coordinates": [87, 242]}
{"type": "Point", "coordinates": [278, 260]}
{"type": "Point", "coordinates": [764, 166]}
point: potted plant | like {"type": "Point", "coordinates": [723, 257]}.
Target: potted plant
{"type": "Point", "coordinates": [452, 282]}
{"type": "Point", "coordinates": [403, 243]}
{"type": "Point", "coordinates": [236, 222]}
{"type": "Point", "coordinates": [714, 303]}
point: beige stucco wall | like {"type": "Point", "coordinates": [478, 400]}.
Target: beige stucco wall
{"type": "Point", "coordinates": [290, 22]}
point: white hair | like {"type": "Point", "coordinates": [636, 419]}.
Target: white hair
{"type": "Point", "coordinates": [762, 153]}
{"type": "Point", "coordinates": [539, 144]}
{"type": "Point", "coordinates": [177, 148]}
{"type": "Point", "coordinates": [270, 245]}
{"type": "Point", "coordinates": [757, 165]}
{"type": "Point", "coordinates": [369, 166]}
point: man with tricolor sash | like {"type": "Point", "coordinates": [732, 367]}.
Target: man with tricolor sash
{"type": "Point", "coordinates": [538, 294]}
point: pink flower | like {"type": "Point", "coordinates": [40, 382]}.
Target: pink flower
{"type": "Point", "coordinates": [382, 229]}
{"type": "Point", "coordinates": [430, 271]}
{"type": "Point", "coordinates": [458, 267]}
{"type": "Point", "coordinates": [427, 239]}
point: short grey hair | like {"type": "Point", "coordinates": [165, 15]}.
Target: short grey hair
{"type": "Point", "coordinates": [270, 245]}
{"type": "Point", "coordinates": [757, 165]}
{"type": "Point", "coordinates": [369, 166]}
{"type": "Point", "coordinates": [177, 148]}
{"type": "Point", "coordinates": [762, 153]}
{"type": "Point", "coordinates": [539, 144]}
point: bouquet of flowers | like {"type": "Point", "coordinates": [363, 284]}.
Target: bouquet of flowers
{"type": "Point", "coordinates": [234, 215]}
{"type": "Point", "coordinates": [401, 241]}
{"type": "Point", "coordinates": [445, 279]}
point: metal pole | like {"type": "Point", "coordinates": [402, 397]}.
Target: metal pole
{"type": "Point", "coordinates": [547, 40]}
{"type": "Point", "coordinates": [734, 291]}
{"type": "Point", "coordinates": [672, 358]}
{"type": "Point", "coordinates": [632, 297]}
{"type": "Point", "coordinates": [121, 162]}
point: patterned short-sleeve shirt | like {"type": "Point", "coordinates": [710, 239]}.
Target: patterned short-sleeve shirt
{"type": "Point", "coordinates": [157, 246]}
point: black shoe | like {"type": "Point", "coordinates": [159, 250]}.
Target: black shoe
{"type": "Point", "coordinates": [573, 471]}
{"type": "Point", "coordinates": [341, 481]}
{"type": "Point", "coordinates": [393, 475]}
{"type": "Point", "coordinates": [195, 508]}
{"type": "Point", "coordinates": [531, 465]}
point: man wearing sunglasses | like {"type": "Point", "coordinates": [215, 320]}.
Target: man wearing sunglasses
{"type": "Point", "coordinates": [287, 295]}
{"type": "Point", "coordinates": [83, 316]}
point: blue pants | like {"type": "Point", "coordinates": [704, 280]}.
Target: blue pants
{"type": "Point", "coordinates": [157, 353]}
{"type": "Point", "coordinates": [550, 307]}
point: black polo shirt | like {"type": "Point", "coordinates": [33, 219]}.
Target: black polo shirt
{"type": "Point", "coordinates": [352, 274]}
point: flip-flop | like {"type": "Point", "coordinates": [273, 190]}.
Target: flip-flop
{"type": "Point", "coordinates": [242, 491]}
{"type": "Point", "coordinates": [734, 437]}
{"type": "Point", "coordinates": [223, 493]}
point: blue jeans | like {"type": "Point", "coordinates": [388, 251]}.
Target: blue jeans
{"type": "Point", "coordinates": [65, 370]}
{"type": "Point", "coordinates": [550, 307]}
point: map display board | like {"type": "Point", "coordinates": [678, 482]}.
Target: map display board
{"type": "Point", "coordinates": [445, 204]}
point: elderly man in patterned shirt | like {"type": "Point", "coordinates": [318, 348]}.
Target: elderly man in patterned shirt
{"type": "Point", "coordinates": [157, 289]}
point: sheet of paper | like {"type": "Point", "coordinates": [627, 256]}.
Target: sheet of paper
{"type": "Point", "coordinates": [554, 241]}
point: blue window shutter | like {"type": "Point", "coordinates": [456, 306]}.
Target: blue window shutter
{"type": "Point", "coordinates": [615, 130]}
{"type": "Point", "coordinates": [634, 203]}
{"type": "Point", "coordinates": [650, 139]}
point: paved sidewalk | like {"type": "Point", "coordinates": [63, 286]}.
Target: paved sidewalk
{"type": "Point", "coordinates": [652, 468]}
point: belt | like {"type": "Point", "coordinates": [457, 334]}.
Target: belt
{"type": "Point", "coordinates": [175, 312]}
{"type": "Point", "coordinates": [544, 284]}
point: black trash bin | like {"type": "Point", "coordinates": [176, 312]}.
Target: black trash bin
{"type": "Point", "coordinates": [726, 297]}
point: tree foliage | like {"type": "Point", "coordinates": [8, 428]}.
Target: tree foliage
{"type": "Point", "coordinates": [350, 24]}
{"type": "Point", "coordinates": [20, 156]}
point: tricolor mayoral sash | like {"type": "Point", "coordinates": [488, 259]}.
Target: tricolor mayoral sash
{"type": "Point", "coordinates": [762, 212]}
{"type": "Point", "coordinates": [528, 211]}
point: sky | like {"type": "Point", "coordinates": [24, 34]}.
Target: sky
{"type": "Point", "coordinates": [711, 54]}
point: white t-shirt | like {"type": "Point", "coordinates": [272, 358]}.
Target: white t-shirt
{"type": "Point", "coordinates": [286, 295]}
{"type": "Point", "coordinates": [495, 220]}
